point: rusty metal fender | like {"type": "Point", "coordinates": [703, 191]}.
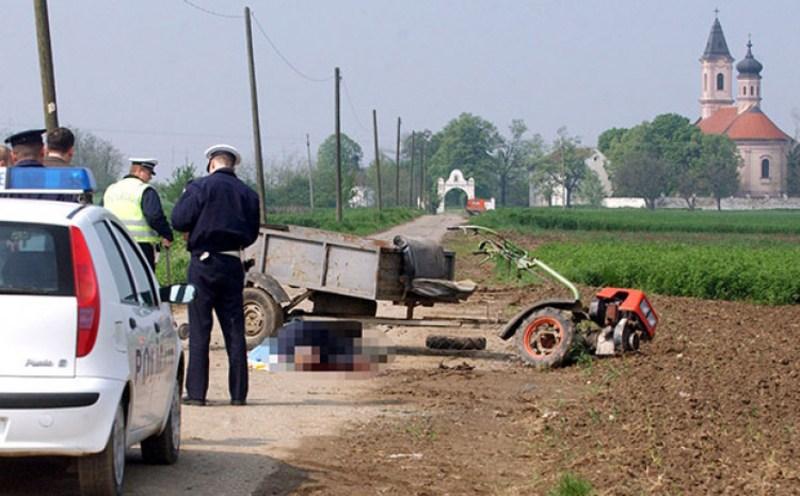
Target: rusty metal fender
{"type": "Point", "coordinates": [508, 330]}
{"type": "Point", "coordinates": [268, 284]}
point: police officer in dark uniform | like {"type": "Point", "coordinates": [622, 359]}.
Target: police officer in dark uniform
{"type": "Point", "coordinates": [221, 215]}
{"type": "Point", "coordinates": [27, 150]}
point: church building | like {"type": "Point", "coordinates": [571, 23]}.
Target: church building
{"type": "Point", "coordinates": [762, 145]}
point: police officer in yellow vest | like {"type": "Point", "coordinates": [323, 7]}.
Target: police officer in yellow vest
{"type": "Point", "coordinates": [138, 206]}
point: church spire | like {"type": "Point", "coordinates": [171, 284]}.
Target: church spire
{"type": "Point", "coordinates": [716, 46]}
{"type": "Point", "coordinates": [717, 72]}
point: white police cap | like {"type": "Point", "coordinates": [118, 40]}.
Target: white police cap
{"type": "Point", "coordinates": [222, 148]}
{"type": "Point", "coordinates": [149, 163]}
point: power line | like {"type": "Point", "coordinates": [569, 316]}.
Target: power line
{"type": "Point", "coordinates": [211, 12]}
{"type": "Point", "coordinates": [285, 60]}
{"type": "Point", "coordinates": [352, 108]}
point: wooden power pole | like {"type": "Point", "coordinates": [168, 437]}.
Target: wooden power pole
{"type": "Point", "coordinates": [397, 168]}
{"type": "Point", "coordinates": [46, 64]}
{"type": "Point", "coordinates": [310, 174]}
{"type": "Point", "coordinates": [422, 173]}
{"type": "Point", "coordinates": [377, 158]}
{"type": "Point", "coordinates": [338, 152]}
{"type": "Point", "coordinates": [256, 127]}
{"type": "Point", "coordinates": [411, 172]}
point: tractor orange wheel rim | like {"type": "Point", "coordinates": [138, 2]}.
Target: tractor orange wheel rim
{"type": "Point", "coordinates": [542, 336]}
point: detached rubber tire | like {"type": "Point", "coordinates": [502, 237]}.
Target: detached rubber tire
{"type": "Point", "coordinates": [103, 473]}
{"type": "Point", "coordinates": [545, 338]}
{"type": "Point", "coordinates": [164, 448]}
{"type": "Point", "coordinates": [436, 342]}
{"type": "Point", "coordinates": [262, 316]}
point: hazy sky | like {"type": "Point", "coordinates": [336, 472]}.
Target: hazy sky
{"type": "Point", "coordinates": [161, 78]}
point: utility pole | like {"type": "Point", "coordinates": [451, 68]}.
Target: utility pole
{"type": "Point", "coordinates": [46, 64]}
{"type": "Point", "coordinates": [377, 158]}
{"type": "Point", "coordinates": [411, 172]}
{"type": "Point", "coordinates": [422, 173]}
{"type": "Point", "coordinates": [256, 127]}
{"type": "Point", "coordinates": [338, 151]}
{"type": "Point", "coordinates": [310, 174]}
{"type": "Point", "coordinates": [397, 168]}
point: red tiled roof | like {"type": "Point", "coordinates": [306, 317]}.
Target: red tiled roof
{"type": "Point", "coordinates": [750, 124]}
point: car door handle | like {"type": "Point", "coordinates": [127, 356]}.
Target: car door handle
{"type": "Point", "coordinates": [132, 323]}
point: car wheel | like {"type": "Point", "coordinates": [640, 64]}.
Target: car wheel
{"type": "Point", "coordinates": [103, 473]}
{"type": "Point", "coordinates": [164, 448]}
{"type": "Point", "coordinates": [262, 316]}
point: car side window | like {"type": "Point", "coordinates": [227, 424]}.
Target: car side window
{"type": "Point", "coordinates": [119, 270]}
{"type": "Point", "coordinates": [141, 277]}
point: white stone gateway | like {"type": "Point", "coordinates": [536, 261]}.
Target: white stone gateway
{"type": "Point", "coordinates": [455, 181]}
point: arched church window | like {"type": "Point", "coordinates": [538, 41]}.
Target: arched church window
{"type": "Point", "coordinates": [751, 91]}
{"type": "Point", "coordinates": [744, 90]}
{"type": "Point", "coordinates": [705, 81]}
{"type": "Point", "coordinates": [765, 168]}
{"type": "Point", "coordinates": [720, 82]}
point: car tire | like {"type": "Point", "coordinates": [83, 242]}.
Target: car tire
{"type": "Point", "coordinates": [262, 316]}
{"type": "Point", "coordinates": [164, 448]}
{"type": "Point", "coordinates": [103, 473]}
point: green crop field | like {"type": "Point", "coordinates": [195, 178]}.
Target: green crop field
{"type": "Point", "coordinates": [640, 220]}
{"type": "Point", "coordinates": [762, 274]}
{"type": "Point", "coordinates": [739, 255]}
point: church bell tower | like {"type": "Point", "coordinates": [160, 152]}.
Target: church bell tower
{"type": "Point", "coordinates": [716, 72]}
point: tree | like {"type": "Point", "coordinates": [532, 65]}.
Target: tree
{"type": "Point", "coordinates": [793, 169]}
{"type": "Point", "coordinates": [591, 190]}
{"type": "Point", "coordinates": [325, 173]}
{"type": "Point", "coordinates": [99, 155]}
{"type": "Point", "coordinates": [565, 167]}
{"type": "Point", "coordinates": [466, 143]}
{"type": "Point", "coordinates": [642, 174]}
{"type": "Point", "coordinates": [171, 190]}
{"type": "Point", "coordinates": [718, 166]}
{"type": "Point", "coordinates": [609, 138]}
{"type": "Point", "coordinates": [514, 156]}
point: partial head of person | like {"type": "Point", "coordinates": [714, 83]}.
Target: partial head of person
{"type": "Point", "coordinates": [61, 142]}
{"type": "Point", "coordinates": [27, 145]}
{"type": "Point", "coordinates": [221, 157]}
{"type": "Point", "coordinates": [5, 156]}
{"type": "Point", "coordinates": [143, 168]}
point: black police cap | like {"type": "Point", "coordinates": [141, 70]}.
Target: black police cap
{"type": "Point", "coordinates": [30, 137]}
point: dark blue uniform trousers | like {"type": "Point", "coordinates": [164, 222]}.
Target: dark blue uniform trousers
{"type": "Point", "coordinates": [219, 280]}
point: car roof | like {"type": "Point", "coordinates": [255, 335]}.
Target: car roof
{"type": "Point", "coordinates": [40, 211]}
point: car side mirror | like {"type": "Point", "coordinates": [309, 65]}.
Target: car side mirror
{"type": "Point", "coordinates": [177, 293]}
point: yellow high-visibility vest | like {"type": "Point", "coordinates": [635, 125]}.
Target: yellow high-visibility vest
{"type": "Point", "coordinates": [124, 199]}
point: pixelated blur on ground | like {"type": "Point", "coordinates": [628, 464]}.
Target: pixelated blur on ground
{"type": "Point", "coordinates": [709, 407]}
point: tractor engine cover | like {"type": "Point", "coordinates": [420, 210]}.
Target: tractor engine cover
{"type": "Point", "coordinates": [612, 304]}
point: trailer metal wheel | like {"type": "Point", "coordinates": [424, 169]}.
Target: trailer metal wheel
{"type": "Point", "coordinates": [544, 338]}
{"type": "Point", "coordinates": [262, 316]}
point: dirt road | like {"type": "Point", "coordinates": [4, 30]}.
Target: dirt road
{"type": "Point", "coordinates": [240, 450]}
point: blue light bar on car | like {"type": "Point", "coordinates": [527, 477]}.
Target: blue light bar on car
{"type": "Point", "coordinates": [46, 180]}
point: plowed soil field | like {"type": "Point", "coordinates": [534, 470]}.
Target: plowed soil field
{"type": "Point", "coordinates": [711, 406]}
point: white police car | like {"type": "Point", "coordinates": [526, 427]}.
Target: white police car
{"type": "Point", "coordinates": [90, 362]}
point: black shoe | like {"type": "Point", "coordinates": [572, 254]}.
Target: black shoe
{"type": "Point", "coordinates": [238, 402]}
{"type": "Point", "coordinates": [192, 402]}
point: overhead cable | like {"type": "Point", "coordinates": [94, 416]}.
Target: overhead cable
{"type": "Point", "coordinates": [285, 60]}
{"type": "Point", "coordinates": [352, 108]}
{"type": "Point", "coordinates": [211, 12]}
